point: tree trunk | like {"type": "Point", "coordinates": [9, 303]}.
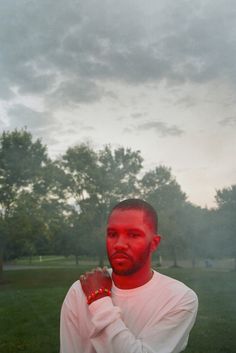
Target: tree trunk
{"type": "Point", "coordinates": [1, 265]}
{"type": "Point", "coordinates": [77, 259]}
{"type": "Point", "coordinates": [101, 261]}
{"type": "Point", "coordinates": [159, 261]}
{"type": "Point", "coordinates": [174, 254]}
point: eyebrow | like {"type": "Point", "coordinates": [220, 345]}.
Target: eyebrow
{"type": "Point", "coordinates": [128, 229]}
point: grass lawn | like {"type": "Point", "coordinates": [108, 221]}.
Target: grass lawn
{"type": "Point", "coordinates": [53, 261]}
{"type": "Point", "coordinates": [30, 302]}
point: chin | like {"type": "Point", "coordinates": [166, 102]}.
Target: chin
{"type": "Point", "coordinates": [120, 272]}
{"type": "Point", "coordinates": [126, 271]}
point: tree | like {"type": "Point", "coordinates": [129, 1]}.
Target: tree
{"type": "Point", "coordinates": [98, 181]}
{"type": "Point", "coordinates": [2, 242]}
{"type": "Point", "coordinates": [117, 174]}
{"type": "Point", "coordinates": [160, 188]}
{"type": "Point", "coordinates": [26, 223]}
{"type": "Point", "coordinates": [226, 201]}
{"type": "Point", "coordinates": [20, 162]}
{"type": "Point", "coordinates": [198, 223]}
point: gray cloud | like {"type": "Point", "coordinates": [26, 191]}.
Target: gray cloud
{"type": "Point", "coordinates": [72, 92]}
{"type": "Point", "coordinates": [5, 92]}
{"type": "Point", "coordinates": [93, 41]}
{"type": "Point", "coordinates": [88, 128]}
{"type": "Point", "coordinates": [22, 116]}
{"type": "Point", "coordinates": [230, 121]}
{"type": "Point", "coordinates": [127, 130]}
{"type": "Point", "coordinates": [186, 101]}
{"type": "Point", "coordinates": [138, 115]}
{"type": "Point", "coordinates": [162, 129]}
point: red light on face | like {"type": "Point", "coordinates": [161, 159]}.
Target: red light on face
{"type": "Point", "coordinates": [128, 241]}
{"type": "Point", "coordinates": [119, 262]}
{"type": "Point", "coordinates": [119, 257]}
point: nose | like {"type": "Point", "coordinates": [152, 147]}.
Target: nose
{"type": "Point", "coordinates": [121, 243]}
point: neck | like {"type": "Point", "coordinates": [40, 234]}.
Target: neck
{"type": "Point", "coordinates": [133, 280]}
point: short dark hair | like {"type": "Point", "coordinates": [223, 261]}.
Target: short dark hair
{"type": "Point", "coordinates": [139, 204]}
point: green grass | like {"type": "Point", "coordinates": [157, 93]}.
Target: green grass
{"type": "Point", "coordinates": [30, 302]}
{"type": "Point", "coordinates": [215, 328]}
{"type": "Point", "coordinates": [53, 261]}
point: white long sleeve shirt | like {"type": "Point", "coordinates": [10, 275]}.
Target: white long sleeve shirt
{"type": "Point", "coordinates": [154, 318]}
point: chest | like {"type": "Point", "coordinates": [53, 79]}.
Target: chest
{"type": "Point", "coordinates": [138, 311]}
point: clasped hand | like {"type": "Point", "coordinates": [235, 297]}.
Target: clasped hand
{"type": "Point", "coordinates": [94, 280]}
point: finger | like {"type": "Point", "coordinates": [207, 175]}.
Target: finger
{"type": "Point", "coordinates": [88, 273]}
{"type": "Point", "coordinates": [105, 271]}
{"type": "Point", "coordinates": [82, 278]}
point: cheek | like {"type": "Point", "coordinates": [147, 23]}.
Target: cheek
{"type": "Point", "coordinates": [139, 247]}
{"type": "Point", "coordinates": [109, 245]}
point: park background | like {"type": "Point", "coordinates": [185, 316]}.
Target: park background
{"type": "Point", "coordinates": [53, 226]}
{"type": "Point", "coordinates": [104, 100]}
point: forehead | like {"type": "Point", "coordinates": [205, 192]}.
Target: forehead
{"type": "Point", "coordinates": [128, 218]}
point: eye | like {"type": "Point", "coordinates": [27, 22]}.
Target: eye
{"type": "Point", "coordinates": [111, 234]}
{"type": "Point", "coordinates": [133, 234]}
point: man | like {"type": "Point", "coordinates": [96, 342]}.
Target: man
{"type": "Point", "coordinates": [131, 308]}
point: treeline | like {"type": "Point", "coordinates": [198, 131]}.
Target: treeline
{"type": "Point", "coordinates": [61, 206]}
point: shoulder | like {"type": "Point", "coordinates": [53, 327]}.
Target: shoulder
{"type": "Point", "coordinates": [176, 292]}
{"type": "Point", "coordinates": [74, 295]}
{"type": "Point", "coordinates": [170, 283]}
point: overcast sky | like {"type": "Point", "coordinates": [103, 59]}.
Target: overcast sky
{"type": "Point", "coordinates": [156, 76]}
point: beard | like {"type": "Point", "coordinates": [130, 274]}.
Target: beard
{"type": "Point", "coordinates": [133, 265]}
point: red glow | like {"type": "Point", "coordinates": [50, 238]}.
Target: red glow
{"type": "Point", "coordinates": [130, 242]}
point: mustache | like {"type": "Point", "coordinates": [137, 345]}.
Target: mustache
{"type": "Point", "coordinates": [121, 254]}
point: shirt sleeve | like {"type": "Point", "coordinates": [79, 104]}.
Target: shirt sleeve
{"type": "Point", "coordinates": [167, 335]}
{"type": "Point", "coordinates": [70, 341]}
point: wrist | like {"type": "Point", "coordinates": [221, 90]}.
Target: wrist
{"type": "Point", "coordinates": [98, 294]}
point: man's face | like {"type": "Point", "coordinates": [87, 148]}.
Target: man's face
{"type": "Point", "coordinates": [130, 241]}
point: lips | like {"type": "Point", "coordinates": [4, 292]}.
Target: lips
{"type": "Point", "coordinates": [120, 256]}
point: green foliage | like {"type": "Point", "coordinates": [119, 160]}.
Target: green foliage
{"type": "Point", "coordinates": [33, 190]}
{"type": "Point", "coordinates": [160, 188]}
{"type": "Point", "coordinates": [20, 161]}
{"type": "Point", "coordinates": [62, 206]}
{"type": "Point", "coordinates": [226, 200]}
{"type": "Point", "coordinates": [98, 181]}
{"type": "Point", "coordinates": [196, 227]}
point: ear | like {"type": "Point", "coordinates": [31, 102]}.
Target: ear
{"type": "Point", "coordinates": [155, 242]}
